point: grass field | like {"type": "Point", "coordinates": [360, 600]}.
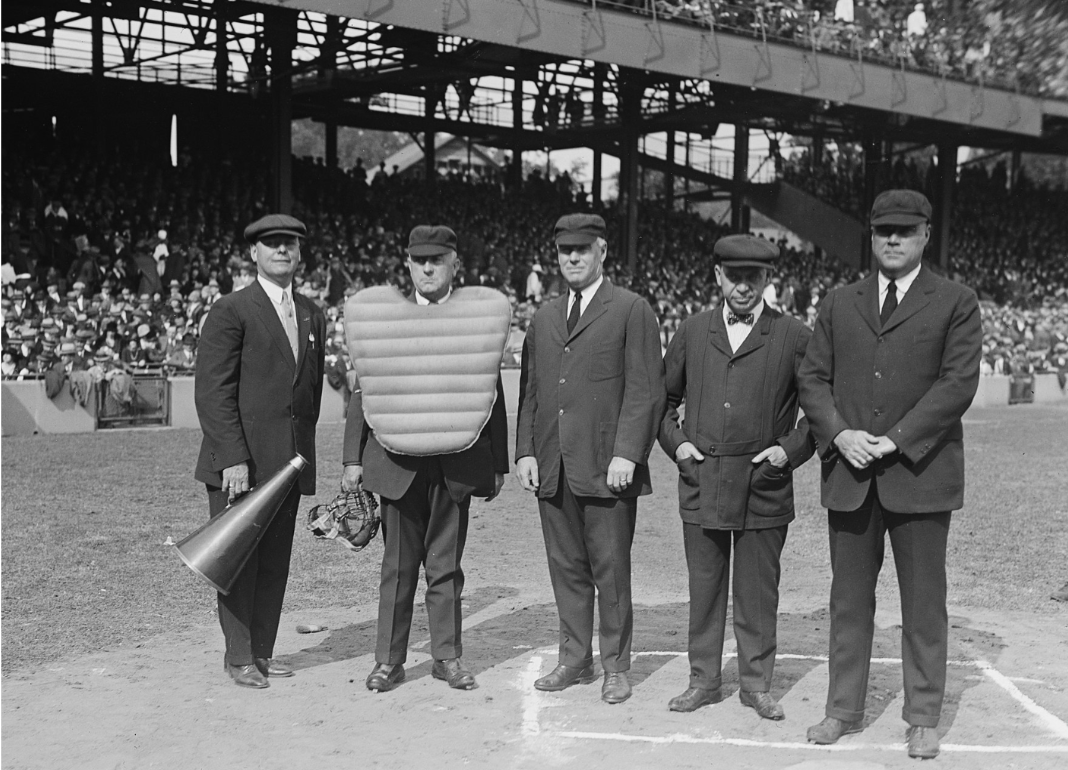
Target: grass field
{"type": "Point", "coordinates": [85, 517]}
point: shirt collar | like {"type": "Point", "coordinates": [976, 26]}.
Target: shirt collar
{"type": "Point", "coordinates": [904, 283]}
{"type": "Point", "coordinates": [757, 311]}
{"type": "Point", "coordinates": [274, 291]}
{"type": "Point", "coordinates": [421, 300]}
{"type": "Point", "coordinates": [589, 291]}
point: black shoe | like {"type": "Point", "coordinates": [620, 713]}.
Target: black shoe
{"type": "Point", "coordinates": [616, 688]}
{"type": "Point", "coordinates": [923, 742]}
{"type": "Point", "coordinates": [271, 667]}
{"type": "Point", "coordinates": [764, 704]}
{"type": "Point", "coordinates": [385, 676]}
{"type": "Point", "coordinates": [693, 699]}
{"type": "Point", "coordinates": [247, 676]}
{"type": "Point", "coordinates": [562, 677]}
{"type": "Point", "coordinates": [453, 672]}
{"type": "Point", "coordinates": [830, 730]}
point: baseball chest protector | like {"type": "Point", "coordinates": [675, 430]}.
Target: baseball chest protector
{"type": "Point", "coordinates": [428, 373]}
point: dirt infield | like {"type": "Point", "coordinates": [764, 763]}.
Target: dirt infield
{"type": "Point", "coordinates": [152, 693]}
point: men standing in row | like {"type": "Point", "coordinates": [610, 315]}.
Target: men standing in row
{"type": "Point", "coordinates": [590, 403]}
{"type": "Point", "coordinates": [259, 383]}
{"type": "Point", "coordinates": [735, 368]}
{"type": "Point", "coordinates": [425, 501]}
{"type": "Point", "coordinates": [892, 366]}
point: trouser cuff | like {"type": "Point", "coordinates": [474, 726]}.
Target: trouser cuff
{"type": "Point", "coordinates": [706, 683]}
{"type": "Point", "coordinates": [920, 720]}
{"type": "Point", "coordinates": [845, 716]}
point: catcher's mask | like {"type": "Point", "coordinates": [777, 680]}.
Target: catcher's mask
{"type": "Point", "coordinates": [351, 519]}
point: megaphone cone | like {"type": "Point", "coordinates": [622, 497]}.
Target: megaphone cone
{"type": "Point", "coordinates": [217, 552]}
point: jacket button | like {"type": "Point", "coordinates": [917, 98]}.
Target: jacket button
{"type": "Point", "coordinates": [561, 411]}
{"type": "Point", "coordinates": [568, 350]}
{"type": "Point", "coordinates": [878, 375]}
{"type": "Point", "coordinates": [878, 412]}
{"type": "Point", "coordinates": [727, 405]}
{"type": "Point", "coordinates": [711, 450]}
{"type": "Point", "coordinates": [879, 340]}
{"type": "Point", "coordinates": [562, 380]}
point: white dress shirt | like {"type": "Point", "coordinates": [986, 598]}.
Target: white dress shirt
{"type": "Point", "coordinates": [421, 300]}
{"type": "Point", "coordinates": [903, 285]}
{"type": "Point", "coordinates": [737, 332]}
{"type": "Point", "coordinates": [276, 292]}
{"type": "Point", "coordinates": [587, 295]}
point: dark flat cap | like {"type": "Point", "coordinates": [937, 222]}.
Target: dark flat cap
{"type": "Point", "coordinates": [275, 224]}
{"type": "Point", "coordinates": [431, 240]}
{"type": "Point", "coordinates": [578, 229]}
{"type": "Point", "coordinates": [900, 207]}
{"type": "Point", "coordinates": [745, 251]}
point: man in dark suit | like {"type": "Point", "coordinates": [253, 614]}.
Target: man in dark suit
{"type": "Point", "coordinates": [425, 501]}
{"type": "Point", "coordinates": [892, 366]}
{"type": "Point", "coordinates": [259, 381]}
{"type": "Point", "coordinates": [735, 367]}
{"type": "Point", "coordinates": [590, 403]}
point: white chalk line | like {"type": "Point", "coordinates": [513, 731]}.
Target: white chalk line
{"type": "Point", "coordinates": [818, 658]}
{"type": "Point", "coordinates": [1056, 725]}
{"type": "Point", "coordinates": [850, 746]}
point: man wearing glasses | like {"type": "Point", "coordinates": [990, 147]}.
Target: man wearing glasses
{"type": "Point", "coordinates": [892, 366]}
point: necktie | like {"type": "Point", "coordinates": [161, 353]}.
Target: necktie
{"type": "Point", "coordinates": [889, 304]}
{"type": "Point", "coordinates": [745, 318]}
{"type": "Point", "coordinates": [576, 311]}
{"type": "Point", "coordinates": [291, 323]}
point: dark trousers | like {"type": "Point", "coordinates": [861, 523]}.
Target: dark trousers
{"type": "Point", "coordinates": [426, 527]}
{"type": "Point", "coordinates": [249, 614]}
{"type": "Point", "coordinates": [756, 602]}
{"type": "Point", "coordinates": [857, 548]}
{"type": "Point", "coordinates": [587, 540]}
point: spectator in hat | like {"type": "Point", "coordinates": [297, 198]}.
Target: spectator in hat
{"type": "Point", "coordinates": [892, 366]}
{"type": "Point", "coordinates": [591, 400]}
{"type": "Point", "coordinates": [184, 358]}
{"type": "Point", "coordinates": [260, 360]}
{"type": "Point", "coordinates": [735, 369]}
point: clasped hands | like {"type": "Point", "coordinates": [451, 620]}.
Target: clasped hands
{"type": "Point", "coordinates": [620, 473]}
{"type": "Point", "coordinates": [861, 449]}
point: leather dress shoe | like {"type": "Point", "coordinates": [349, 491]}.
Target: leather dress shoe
{"type": "Point", "coordinates": [693, 699]}
{"type": "Point", "coordinates": [923, 742]}
{"type": "Point", "coordinates": [453, 672]}
{"type": "Point", "coordinates": [562, 677]}
{"type": "Point", "coordinates": [830, 730]}
{"type": "Point", "coordinates": [385, 676]}
{"type": "Point", "coordinates": [764, 704]}
{"type": "Point", "coordinates": [247, 676]}
{"type": "Point", "coordinates": [616, 688]}
{"type": "Point", "coordinates": [271, 667]}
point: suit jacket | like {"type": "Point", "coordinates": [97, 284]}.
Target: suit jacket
{"type": "Point", "coordinates": [255, 403]}
{"type": "Point", "coordinates": [911, 380]}
{"type": "Point", "coordinates": [737, 405]}
{"type": "Point", "coordinates": [470, 472]}
{"type": "Point", "coordinates": [595, 394]}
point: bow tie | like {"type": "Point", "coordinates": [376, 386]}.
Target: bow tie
{"type": "Point", "coordinates": [745, 318]}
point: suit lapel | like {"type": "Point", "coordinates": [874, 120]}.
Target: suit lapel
{"type": "Point", "coordinates": [757, 336]}
{"type": "Point", "coordinates": [916, 299]}
{"type": "Point", "coordinates": [717, 332]}
{"type": "Point", "coordinates": [867, 299]}
{"type": "Point", "coordinates": [595, 309]}
{"type": "Point", "coordinates": [271, 322]}
{"type": "Point", "coordinates": [303, 330]}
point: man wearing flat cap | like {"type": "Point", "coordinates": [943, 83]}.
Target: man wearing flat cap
{"type": "Point", "coordinates": [425, 501]}
{"type": "Point", "coordinates": [590, 402]}
{"type": "Point", "coordinates": [735, 369]}
{"type": "Point", "coordinates": [892, 366]}
{"type": "Point", "coordinates": [259, 382]}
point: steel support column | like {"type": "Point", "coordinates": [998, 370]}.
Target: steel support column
{"type": "Point", "coordinates": [669, 177]}
{"type": "Point", "coordinates": [280, 28]}
{"type": "Point", "coordinates": [327, 72]}
{"type": "Point", "coordinates": [943, 209]}
{"type": "Point", "coordinates": [222, 58]}
{"type": "Point", "coordinates": [631, 114]}
{"type": "Point", "coordinates": [739, 217]}
{"type": "Point", "coordinates": [515, 172]}
{"type": "Point", "coordinates": [873, 148]}
{"type": "Point", "coordinates": [598, 119]}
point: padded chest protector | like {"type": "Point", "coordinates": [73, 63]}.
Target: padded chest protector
{"type": "Point", "coordinates": [428, 373]}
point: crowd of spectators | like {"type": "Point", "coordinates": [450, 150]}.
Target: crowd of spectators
{"type": "Point", "coordinates": [111, 267]}
{"type": "Point", "coordinates": [1017, 43]}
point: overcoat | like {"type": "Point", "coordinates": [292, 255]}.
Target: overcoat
{"type": "Point", "coordinates": [257, 404]}
{"type": "Point", "coordinates": [737, 404]}
{"type": "Point", "coordinates": [911, 380]}
{"type": "Point", "coordinates": [593, 394]}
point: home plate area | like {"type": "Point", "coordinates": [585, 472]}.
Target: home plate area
{"type": "Point", "coordinates": [509, 649]}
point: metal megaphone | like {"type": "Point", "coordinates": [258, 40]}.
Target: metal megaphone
{"type": "Point", "coordinates": [217, 552]}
